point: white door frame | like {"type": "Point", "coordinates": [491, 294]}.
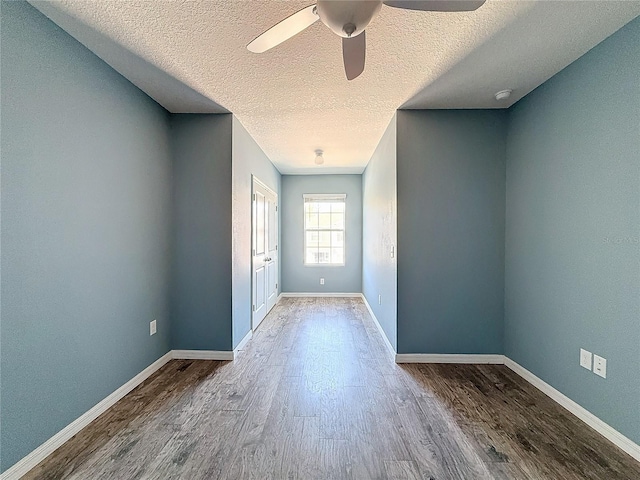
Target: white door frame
{"type": "Point", "coordinates": [255, 181]}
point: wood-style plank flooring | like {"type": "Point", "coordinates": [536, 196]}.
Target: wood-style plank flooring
{"type": "Point", "coordinates": [315, 395]}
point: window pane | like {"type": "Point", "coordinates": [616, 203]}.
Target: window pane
{"type": "Point", "coordinates": [312, 239]}
{"type": "Point", "coordinates": [337, 220]}
{"type": "Point", "coordinates": [311, 255]}
{"type": "Point", "coordinates": [311, 221]}
{"type": "Point", "coordinates": [325, 220]}
{"type": "Point", "coordinates": [324, 223]}
{"type": "Point", "coordinates": [324, 255]}
{"type": "Point", "coordinates": [310, 207]}
{"type": "Point", "coordinates": [337, 239]}
{"type": "Point", "coordinates": [325, 239]}
{"type": "Point", "coordinates": [337, 207]}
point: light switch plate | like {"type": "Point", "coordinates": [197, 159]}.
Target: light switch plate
{"type": "Point", "coordinates": [600, 366]}
{"type": "Point", "coordinates": [152, 328]}
{"type": "Point", "coordinates": [585, 359]}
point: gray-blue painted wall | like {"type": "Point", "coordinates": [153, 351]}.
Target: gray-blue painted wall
{"type": "Point", "coordinates": [201, 279]}
{"type": "Point", "coordinates": [380, 232]}
{"type": "Point", "coordinates": [214, 160]}
{"type": "Point", "coordinates": [573, 230]}
{"type": "Point", "coordinates": [296, 277]}
{"type": "Point", "coordinates": [86, 209]}
{"type": "Point", "coordinates": [248, 160]}
{"type": "Point", "coordinates": [451, 207]}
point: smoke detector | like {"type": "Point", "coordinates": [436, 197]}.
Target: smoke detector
{"type": "Point", "coordinates": [503, 94]}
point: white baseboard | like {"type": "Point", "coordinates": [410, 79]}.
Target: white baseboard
{"type": "Point", "coordinates": [242, 343]}
{"type": "Point", "coordinates": [604, 429]}
{"type": "Point", "coordinates": [47, 448]}
{"type": "Point", "coordinates": [449, 358]}
{"type": "Point", "coordinates": [202, 354]}
{"type": "Point", "coordinates": [316, 294]}
{"type": "Point", "coordinates": [382, 332]}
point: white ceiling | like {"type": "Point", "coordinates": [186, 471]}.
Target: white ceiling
{"type": "Point", "coordinates": [190, 56]}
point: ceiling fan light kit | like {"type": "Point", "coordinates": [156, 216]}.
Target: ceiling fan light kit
{"type": "Point", "coordinates": [349, 19]}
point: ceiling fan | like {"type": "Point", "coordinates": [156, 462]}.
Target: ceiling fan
{"type": "Point", "coordinates": [348, 19]}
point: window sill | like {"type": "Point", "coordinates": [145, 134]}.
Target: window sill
{"type": "Point", "coordinates": [323, 265]}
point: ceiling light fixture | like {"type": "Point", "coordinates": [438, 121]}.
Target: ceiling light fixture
{"type": "Point", "coordinates": [319, 158]}
{"type": "Point", "coordinates": [503, 94]}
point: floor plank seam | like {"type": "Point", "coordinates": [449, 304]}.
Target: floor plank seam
{"type": "Point", "coordinates": [315, 395]}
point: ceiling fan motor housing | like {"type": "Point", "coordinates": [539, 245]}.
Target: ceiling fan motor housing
{"type": "Point", "coordinates": [347, 18]}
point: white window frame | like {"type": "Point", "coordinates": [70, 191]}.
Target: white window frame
{"type": "Point", "coordinates": [324, 197]}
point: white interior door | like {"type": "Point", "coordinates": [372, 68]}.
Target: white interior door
{"type": "Point", "coordinates": [264, 252]}
{"type": "Point", "coordinates": [272, 250]}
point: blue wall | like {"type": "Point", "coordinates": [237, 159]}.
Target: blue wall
{"type": "Point", "coordinates": [86, 209]}
{"type": "Point", "coordinates": [296, 277]}
{"type": "Point", "coordinates": [201, 280]}
{"type": "Point", "coordinates": [379, 226]}
{"type": "Point", "coordinates": [573, 230]}
{"type": "Point", "coordinates": [451, 204]}
{"type": "Point", "coordinates": [248, 160]}
{"type": "Point", "coordinates": [214, 160]}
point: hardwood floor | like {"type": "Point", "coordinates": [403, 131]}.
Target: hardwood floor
{"type": "Point", "coordinates": [315, 395]}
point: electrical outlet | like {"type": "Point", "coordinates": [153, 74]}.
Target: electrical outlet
{"type": "Point", "coordinates": [585, 359]}
{"type": "Point", "coordinates": [379, 299]}
{"type": "Point", "coordinates": [322, 281]}
{"type": "Point", "coordinates": [393, 251]}
{"type": "Point", "coordinates": [152, 328]}
{"type": "Point", "coordinates": [600, 366]}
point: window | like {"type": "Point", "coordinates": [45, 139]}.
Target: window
{"type": "Point", "coordinates": [324, 229]}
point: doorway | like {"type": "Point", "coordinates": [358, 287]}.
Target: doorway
{"type": "Point", "coordinates": [264, 266]}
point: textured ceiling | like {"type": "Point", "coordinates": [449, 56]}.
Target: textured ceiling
{"type": "Point", "coordinates": [190, 56]}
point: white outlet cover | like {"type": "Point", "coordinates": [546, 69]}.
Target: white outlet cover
{"type": "Point", "coordinates": [322, 281]}
{"type": "Point", "coordinates": [152, 328]}
{"type": "Point", "coordinates": [379, 299]}
{"type": "Point", "coordinates": [600, 366]}
{"type": "Point", "coordinates": [585, 359]}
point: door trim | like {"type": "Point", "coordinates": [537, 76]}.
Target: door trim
{"type": "Point", "coordinates": [255, 180]}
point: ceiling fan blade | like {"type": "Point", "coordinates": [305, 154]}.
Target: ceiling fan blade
{"type": "Point", "coordinates": [284, 30]}
{"type": "Point", "coordinates": [353, 54]}
{"type": "Point", "coordinates": [436, 5]}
